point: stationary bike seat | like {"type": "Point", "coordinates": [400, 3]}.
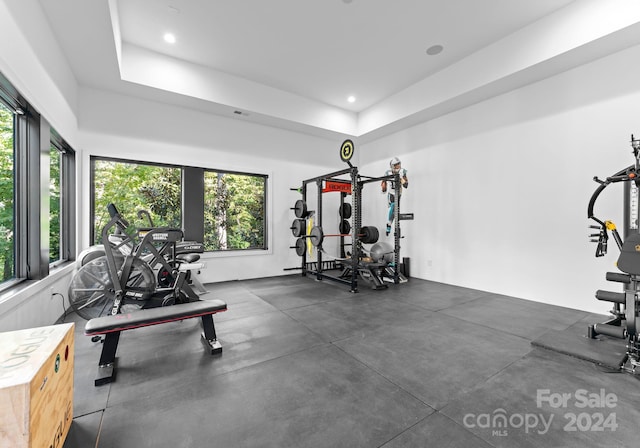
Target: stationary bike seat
{"type": "Point", "coordinates": [188, 258]}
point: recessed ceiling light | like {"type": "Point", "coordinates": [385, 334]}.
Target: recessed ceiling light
{"type": "Point", "coordinates": [170, 38]}
{"type": "Point", "coordinates": [351, 99]}
{"type": "Point", "coordinates": [434, 50]}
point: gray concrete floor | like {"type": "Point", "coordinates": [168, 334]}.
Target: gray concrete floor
{"type": "Point", "coordinates": [309, 364]}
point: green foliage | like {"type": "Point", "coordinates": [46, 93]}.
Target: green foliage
{"type": "Point", "coordinates": [234, 211]}
{"type": "Point", "coordinates": [6, 194]}
{"type": "Point", "coordinates": [234, 204]}
{"type": "Point", "coordinates": [54, 205]}
{"type": "Point", "coordinates": [133, 187]}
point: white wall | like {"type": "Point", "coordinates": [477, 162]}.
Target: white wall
{"type": "Point", "coordinates": [36, 304]}
{"type": "Point", "coordinates": [31, 59]}
{"type": "Point", "coordinates": [35, 64]}
{"type": "Point", "coordinates": [500, 189]}
{"type": "Point", "coordinates": [150, 131]}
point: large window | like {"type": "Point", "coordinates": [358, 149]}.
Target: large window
{"type": "Point", "coordinates": [37, 192]}
{"type": "Point", "coordinates": [226, 211]}
{"type": "Point", "coordinates": [133, 187]}
{"type": "Point", "coordinates": [234, 211]}
{"type": "Point", "coordinates": [7, 218]}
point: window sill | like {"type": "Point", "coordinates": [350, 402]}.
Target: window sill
{"type": "Point", "coordinates": [236, 253]}
{"type": "Point", "coordinates": [14, 295]}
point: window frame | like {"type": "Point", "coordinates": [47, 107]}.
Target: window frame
{"type": "Point", "coordinates": [192, 200]}
{"type": "Point", "coordinates": [32, 143]}
{"type": "Point", "coordinates": [67, 199]}
{"type": "Point", "coordinates": [265, 179]}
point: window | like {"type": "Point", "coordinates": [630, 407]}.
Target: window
{"type": "Point", "coordinates": [226, 211]}
{"type": "Point", "coordinates": [7, 194]}
{"type": "Point", "coordinates": [135, 186]}
{"type": "Point", "coordinates": [54, 204]}
{"type": "Point", "coordinates": [61, 197]}
{"type": "Point", "coordinates": [36, 183]}
{"type": "Point", "coordinates": [234, 211]}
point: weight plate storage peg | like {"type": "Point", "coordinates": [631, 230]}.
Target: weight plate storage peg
{"type": "Point", "coordinates": [298, 227]}
{"type": "Point", "coordinates": [300, 209]}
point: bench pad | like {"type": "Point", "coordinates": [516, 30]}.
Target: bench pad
{"type": "Point", "coordinates": [153, 316]}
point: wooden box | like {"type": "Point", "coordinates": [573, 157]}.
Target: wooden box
{"type": "Point", "coordinates": [36, 386]}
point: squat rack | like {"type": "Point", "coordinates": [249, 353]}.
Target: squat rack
{"type": "Point", "coordinates": [356, 224]}
{"type": "Point", "coordinates": [374, 271]}
{"type": "Point", "coordinates": [350, 275]}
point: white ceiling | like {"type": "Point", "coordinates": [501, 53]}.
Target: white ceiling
{"type": "Point", "coordinates": [326, 49]}
{"type": "Point", "coordinates": [293, 63]}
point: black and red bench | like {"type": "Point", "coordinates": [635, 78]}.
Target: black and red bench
{"type": "Point", "coordinates": [112, 326]}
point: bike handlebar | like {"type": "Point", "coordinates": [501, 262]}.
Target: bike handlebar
{"type": "Point", "coordinates": [142, 213]}
{"type": "Point", "coordinates": [113, 212]}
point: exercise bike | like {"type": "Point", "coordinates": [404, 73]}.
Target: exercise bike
{"type": "Point", "coordinates": [625, 320]}
{"type": "Point", "coordinates": [125, 275]}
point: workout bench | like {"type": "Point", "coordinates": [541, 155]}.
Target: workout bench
{"type": "Point", "coordinates": [112, 326]}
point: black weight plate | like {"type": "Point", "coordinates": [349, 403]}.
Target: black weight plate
{"type": "Point", "coordinates": [301, 209]}
{"type": "Point", "coordinates": [345, 211]}
{"type": "Point", "coordinates": [297, 227]}
{"type": "Point", "coordinates": [370, 235]}
{"type": "Point", "coordinates": [316, 236]}
{"type": "Point", "coordinates": [300, 247]}
{"type": "Point", "coordinates": [345, 226]}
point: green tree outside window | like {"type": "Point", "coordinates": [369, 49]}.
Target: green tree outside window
{"type": "Point", "coordinates": [7, 194]}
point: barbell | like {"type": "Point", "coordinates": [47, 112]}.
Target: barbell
{"type": "Point", "coordinates": [368, 235]}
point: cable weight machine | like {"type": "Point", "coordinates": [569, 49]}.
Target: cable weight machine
{"type": "Point", "coordinates": [624, 322]}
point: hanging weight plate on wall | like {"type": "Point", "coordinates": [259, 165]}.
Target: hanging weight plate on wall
{"type": "Point", "coordinates": [369, 235]}
{"type": "Point", "coordinates": [345, 211]}
{"type": "Point", "coordinates": [300, 209]}
{"type": "Point", "coordinates": [297, 227]}
{"type": "Point", "coordinates": [345, 226]}
{"type": "Point", "coordinates": [300, 247]}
